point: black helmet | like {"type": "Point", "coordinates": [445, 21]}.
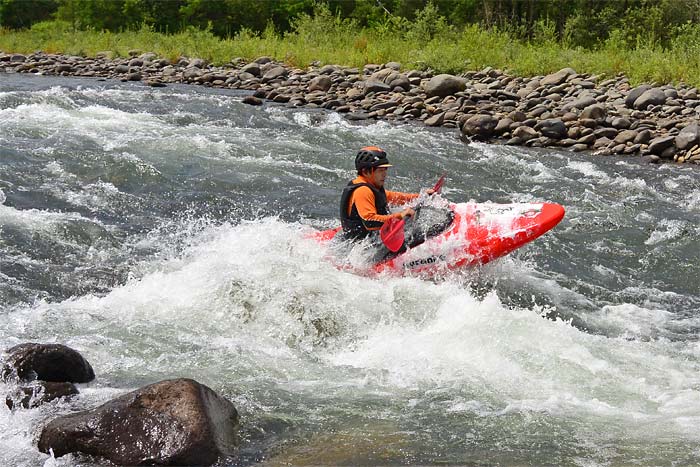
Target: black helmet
{"type": "Point", "coordinates": [371, 156]}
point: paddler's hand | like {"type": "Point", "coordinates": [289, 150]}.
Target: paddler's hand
{"type": "Point", "coordinates": [429, 191]}
{"type": "Point", "coordinates": [408, 212]}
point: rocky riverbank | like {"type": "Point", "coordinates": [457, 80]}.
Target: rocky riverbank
{"type": "Point", "coordinates": [565, 110]}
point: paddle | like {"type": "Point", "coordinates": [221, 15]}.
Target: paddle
{"type": "Point", "coordinates": [392, 233]}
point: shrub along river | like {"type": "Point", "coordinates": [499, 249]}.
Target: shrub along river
{"type": "Point", "coordinates": [161, 232]}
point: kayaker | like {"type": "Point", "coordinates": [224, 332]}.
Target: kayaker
{"type": "Point", "coordinates": [364, 202]}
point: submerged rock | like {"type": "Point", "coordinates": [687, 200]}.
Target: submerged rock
{"type": "Point", "coordinates": [172, 422]}
{"type": "Point", "coordinates": [38, 393]}
{"type": "Point", "coordinates": [46, 362]}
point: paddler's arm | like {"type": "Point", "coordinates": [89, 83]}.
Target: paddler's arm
{"type": "Point", "coordinates": [363, 197]}
{"type": "Point", "coordinates": [396, 197]}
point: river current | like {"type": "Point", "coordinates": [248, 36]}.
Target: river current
{"type": "Point", "coordinates": [164, 233]}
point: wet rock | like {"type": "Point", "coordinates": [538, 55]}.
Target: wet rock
{"type": "Point", "coordinates": [38, 393]}
{"type": "Point", "coordinates": [46, 362]}
{"type": "Point", "coordinates": [252, 100]}
{"type": "Point", "coordinates": [173, 422]}
{"type": "Point", "coordinates": [688, 137]}
{"type": "Point", "coordinates": [444, 85]}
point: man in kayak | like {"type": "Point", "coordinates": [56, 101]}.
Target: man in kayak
{"type": "Point", "coordinates": [364, 202]}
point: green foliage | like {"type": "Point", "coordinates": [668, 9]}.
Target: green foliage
{"type": "Point", "coordinates": [649, 40]}
{"type": "Point", "coordinates": [19, 14]}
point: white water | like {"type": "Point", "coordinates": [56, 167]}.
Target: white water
{"type": "Point", "coordinates": [579, 349]}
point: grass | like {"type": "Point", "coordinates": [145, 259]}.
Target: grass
{"type": "Point", "coordinates": [329, 40]}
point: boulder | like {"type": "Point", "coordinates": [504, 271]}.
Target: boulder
{"type": "Point", "coordinates": [46, 362]}
{"type": "Point", "coordinates": [558, 77]}
{"type": "Point", "coordinates": [481, 126]}
{"type": "Point", "coordinates": [688, 137]}
{"type": "Point", "coordinates": [444, 85]}
{"type": "Point", "coordinates": [173, 422]}
{"type": "Point", "coordinates": [650, 97]}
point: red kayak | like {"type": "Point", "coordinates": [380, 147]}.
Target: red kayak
{"type": "Point", "coordinates": [460, 235]}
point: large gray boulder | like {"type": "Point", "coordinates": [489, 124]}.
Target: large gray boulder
{"type": "Point", "coordinates": [46, 362]}
{"type": "Point", "coordinates": [444, 85]}
{"type": "Point", "coordinates": [173, 422]}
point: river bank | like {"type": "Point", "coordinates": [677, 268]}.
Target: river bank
{"type": "Point", "coordinates": [579, 112]}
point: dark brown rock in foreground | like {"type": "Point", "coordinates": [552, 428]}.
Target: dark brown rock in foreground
{"type": "Point", "coordinates": [46, 362]}
{"type": "Point", "coordinates": [173, 422]}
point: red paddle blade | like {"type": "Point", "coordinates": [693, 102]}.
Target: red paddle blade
{"type": "Point", "coordinates": [438, 186]}
{"type": "Point", "coordinates": [392, 234]}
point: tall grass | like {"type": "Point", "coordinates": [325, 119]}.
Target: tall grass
{"type": "Point", "coordinates": [426, 43]}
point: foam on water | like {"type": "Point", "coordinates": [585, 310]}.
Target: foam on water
{"type": "Point", "coordinates": [582, 344]}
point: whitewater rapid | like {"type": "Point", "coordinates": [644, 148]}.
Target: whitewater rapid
{"type": "Point", "coordinates": [164, 233]}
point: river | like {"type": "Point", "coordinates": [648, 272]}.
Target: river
{"type": "Point", "coordinates": [162, 232]}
